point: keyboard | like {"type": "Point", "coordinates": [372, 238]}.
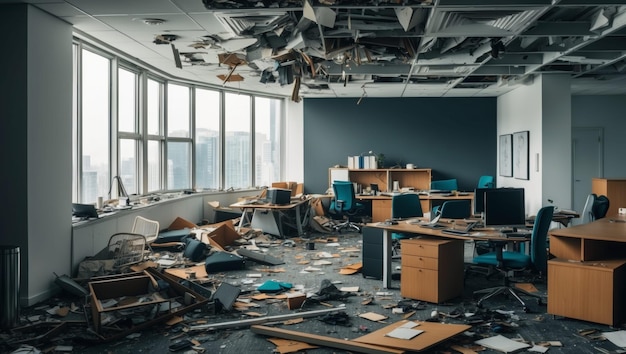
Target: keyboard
{"type": "Point", "coordinates": [434, 226]}
{"type": "Point", "coordinates": [455, 232]}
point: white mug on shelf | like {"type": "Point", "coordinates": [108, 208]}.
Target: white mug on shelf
{"type": "Point", "coordinates": [410, 166]}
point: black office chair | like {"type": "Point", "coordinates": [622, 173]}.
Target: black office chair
{"type": "Point", "coordinates": [345, 206]}
{"type": "Point", "coordinates": [403, 206]}
{"type": "Point", "coordinates": [600, 207]}
{"type": "Point", "coordinates": [507, 262]}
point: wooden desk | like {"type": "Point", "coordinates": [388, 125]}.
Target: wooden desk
{"type": "Point", "coordinates": [587, 277]}
{"type": "Point", "coordinates": [405, 227]}
{"type": "Point", "coordinates": [277, 213]}
{"type": "Point", "coordinates": [434, 333]}
{"type": "Point", "coordinates": [381, 205]}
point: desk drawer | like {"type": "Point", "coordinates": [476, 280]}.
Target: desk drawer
{"type": "Point", "coordinates": [420, 262]}
{"type": "Point", "coordinates": [424, 248]}
{"type": "Point", "coordinates": [420, 284]}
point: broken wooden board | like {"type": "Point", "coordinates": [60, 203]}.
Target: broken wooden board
{"type": "Point", "coordinates": [324, 341]}
{"type": "Point", "coordinates": [434, 333]}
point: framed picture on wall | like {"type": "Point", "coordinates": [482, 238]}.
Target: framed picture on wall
{"type": "Point", "coordinates": [520, 155]}
{"type": "Point", "coordinates": [506, 156]}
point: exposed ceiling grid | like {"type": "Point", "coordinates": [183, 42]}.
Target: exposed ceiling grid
{"type": "Point", "coordinates": [365, 48]}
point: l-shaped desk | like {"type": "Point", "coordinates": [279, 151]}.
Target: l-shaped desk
{"type": "Point", "coordinates": [586, 276]}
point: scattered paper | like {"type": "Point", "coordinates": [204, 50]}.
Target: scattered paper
{"type": "Point", "coordinates": [538, 349]}
{"type": "Point", "coordinates": [350, 289]}
{"type": "Point", "coordinates": [404, 333]}
{"type": "Point", "coordinates": [617, 337]}
{"type": "Point", "coordinates": [502, 343]}
{"type": "Point", "coordinates": [373, 316]}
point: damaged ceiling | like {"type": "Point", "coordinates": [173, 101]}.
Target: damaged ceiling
{"type": "Point", "coordinates": [365, 48]}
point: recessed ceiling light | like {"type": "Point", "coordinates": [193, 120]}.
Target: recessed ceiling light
{"type": "Point", "coordinates": [153, 21]}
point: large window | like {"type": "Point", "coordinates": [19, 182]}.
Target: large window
{"type": "Point", "coordinates": [128, 129]}
{"type": "Point", "coordinates": [267, 140]}
{"type": "Point", "coordinates": [161, 135]}
{"type": "Point", "coordinates": [207, 139]}
{"type": "Point", "coordinates": [155, 137]}
{"type": "Point", "coordinates": [95, 116]}
{"type": "Point", "coordinates": [178, 137]}
{"type": "Point", "coordinates": [238, 150]}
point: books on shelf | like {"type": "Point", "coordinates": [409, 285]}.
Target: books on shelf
{"type": "Point", "coordinates": [362, 162]}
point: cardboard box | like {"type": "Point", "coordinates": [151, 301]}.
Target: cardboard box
{"type": "Point", "coordinates": [127, 289]}
{"type": "Point", "coordinates": [220, 235]}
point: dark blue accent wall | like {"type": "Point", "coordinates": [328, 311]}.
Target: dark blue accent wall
{"type": "Point", "coordinates": [455, 137]}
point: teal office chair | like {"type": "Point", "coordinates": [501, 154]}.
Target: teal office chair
{"type": "Point", "coordinates": [345, 206]}
{"type": "Point", "coordinates": [509, 261]}
{"type": "Point", "coordinates": [453, 209]}
{"type": "Point", "coordinates": [444, 185]}
{"type": "Point", "coordinates": [403, 206]}
{"type": "Point", "coordinates": [485, 182]}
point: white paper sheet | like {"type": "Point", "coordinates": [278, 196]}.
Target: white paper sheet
{"type": "Point", "coordinates": [404, 333]}
{"type": "Point", "coordinates": [502, 344]}
{"type": "Point", "coordinates": [618, 338]}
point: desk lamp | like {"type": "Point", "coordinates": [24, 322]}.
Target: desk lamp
{"type": "Point", "coordinates": [121, 191]}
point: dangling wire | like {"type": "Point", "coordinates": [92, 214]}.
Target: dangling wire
{"type": "Point", "coordinates": [362, 95]}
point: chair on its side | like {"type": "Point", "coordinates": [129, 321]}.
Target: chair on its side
{"type": "Point", "coordinates": [485, 182]}
{"type": "Point", "coordinates": [444, 185]}
{"type": "Point", "coordinates": [507, 262]}
{"type": "Point", "coordinates": [404, 206]}
{"type": "Point", "coordinates": [344, 205]}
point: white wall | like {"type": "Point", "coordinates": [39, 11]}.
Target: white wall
{"type": "Point", "coordinates": [544, 109]}
{"type": "Point", "coordinates": [294, 146]}
{"type": "Point", "coordinates": [521, 110]}
{"type": "Point", "coordinates": [36, 108]}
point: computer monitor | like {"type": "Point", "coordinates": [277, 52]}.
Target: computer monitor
{"type": "Point", "coordinates": [479, 200]}
{"type": "Point", "coordinates": [505, 208]}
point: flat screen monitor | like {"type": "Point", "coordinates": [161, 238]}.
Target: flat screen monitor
{"type": "Point", "coordinates": [505, 208]}
{"type": "Point", "coordinates": [479, 200]}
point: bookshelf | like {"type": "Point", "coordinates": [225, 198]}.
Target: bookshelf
{"type": "Point", "coordinates": [418, 178]}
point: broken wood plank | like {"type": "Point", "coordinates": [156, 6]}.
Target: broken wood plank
{"type": "Point", "coordinates": [324, 341]}
{"type": "Point", "coordinates": [254, 321]}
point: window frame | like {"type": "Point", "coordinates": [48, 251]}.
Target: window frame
{"type": "Point", "coordinates": [144, 76]}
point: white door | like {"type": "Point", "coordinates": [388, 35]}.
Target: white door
{"type": "Point", "coordinates": [587, 161]}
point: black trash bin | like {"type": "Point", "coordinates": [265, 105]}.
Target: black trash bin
{"type": "Point", "coordinates": [9, 286]}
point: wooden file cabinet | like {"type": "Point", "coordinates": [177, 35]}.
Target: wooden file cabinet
{"type": "Point", "coordinates": [587, 277]}
{"type": "Point", "coordinates": [432, 269]}
{"type": "Point", "coordinates": [590, 291]}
